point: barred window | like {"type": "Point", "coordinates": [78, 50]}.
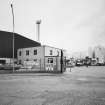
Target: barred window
{"type": "Point", "coordinates": [50, 60]}
{"type": "Point", "coordinates": [35, 52]}
{"type": "Point", "coordinates": [20, 53]}
{"type": "Point", "coordinates": [51, 52]}
{"type": "Point", "coordinates": [35, 60]}
{"type": "Point", "coordinates": [27, 59]}
{"type": "Point", "coordinates": [27, 52]}
{"type": "Point", "coordinates": [20, 61]}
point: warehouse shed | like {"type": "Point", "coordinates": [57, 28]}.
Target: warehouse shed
{"type": "Point", "coordinates": [6, 44]}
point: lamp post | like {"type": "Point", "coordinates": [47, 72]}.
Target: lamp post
{"type": "Point", "coordinates": [13, 35]}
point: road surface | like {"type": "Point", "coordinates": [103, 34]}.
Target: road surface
{"type": "Point", "coordinates": [81, 86]}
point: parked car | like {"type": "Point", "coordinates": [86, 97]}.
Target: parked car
{"type": "Point", "coordinates": [70, 62]}
{"type": "Point", "coordinates": [79, 62]}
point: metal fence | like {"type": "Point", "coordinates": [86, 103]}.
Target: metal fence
{"type": "Point", "coordinates": [47, 64]}
{"type": "Point", "coordinates": [31, 65]}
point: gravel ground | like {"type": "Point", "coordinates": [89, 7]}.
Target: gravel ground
{"type": "Point", "coordinates": [81, 86]}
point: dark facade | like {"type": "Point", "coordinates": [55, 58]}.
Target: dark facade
{"type": "Point", "coordinates": [6, 44]}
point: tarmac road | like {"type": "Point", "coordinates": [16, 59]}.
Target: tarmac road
{"type": "Point", "coordinates": [81, 86]}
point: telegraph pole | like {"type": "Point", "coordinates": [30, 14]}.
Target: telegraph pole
{"type": "Point", "coordinates": [61, 61]}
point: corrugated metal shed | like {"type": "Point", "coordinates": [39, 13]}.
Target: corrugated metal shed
{"type": "Point", "coordinates": [20, 42]}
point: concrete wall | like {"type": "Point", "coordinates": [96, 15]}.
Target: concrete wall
{"type": "Point", "coordinates": [43, 55]}
{"type": "Point", "coordinates": [31, 57]}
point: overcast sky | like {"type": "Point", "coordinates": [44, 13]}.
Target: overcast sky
{"type": "Point", "coordinates": [73, 25]}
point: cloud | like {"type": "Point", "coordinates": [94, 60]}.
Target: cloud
{"type": "Point", "coordinates": [71, 24]}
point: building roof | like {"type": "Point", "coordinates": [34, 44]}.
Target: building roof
{"type": "Point", "coordinates": [6, 46]}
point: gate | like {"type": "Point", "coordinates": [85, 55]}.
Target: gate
{"type": "Point", "coordinates": [50, 63]}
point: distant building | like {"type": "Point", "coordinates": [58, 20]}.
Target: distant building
{"type": "Point", "coordinates": [6, 44]}
{"type": "Point", "coordinates": [90, 52]}
{"type": "Point", "coordinates": [79, 55]}
{"type": "Point", "coordinates": [100, 53]}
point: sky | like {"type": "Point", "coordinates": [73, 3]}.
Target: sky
{"type": "Point", "coordinates": [73, 25]}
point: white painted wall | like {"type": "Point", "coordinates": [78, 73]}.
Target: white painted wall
{"type": "Point", "coordinates": [55, 51]}
{"type": "Point", "coordinates": [31, 55]}
{"type": "Point", "coordinates": [42, 53]}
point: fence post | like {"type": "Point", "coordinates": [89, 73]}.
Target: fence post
{"type": "Point", "coordinates": [56, 64]}
{"type": "Point", "coordinates": [44, 63]}
{"type": "Point", "coordinates": [40, 64]}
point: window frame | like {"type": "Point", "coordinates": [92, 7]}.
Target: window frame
{"type": "Point", "coordinates": [27, 52]}
{"type": "Point", "coordinates": [51, 52]}
{"type": "Point", "coordinates": [50, 60]}
{"type": "Point", "coordinates": [20, 53]}
{"type": "Point", "coordinates": [35, 52]}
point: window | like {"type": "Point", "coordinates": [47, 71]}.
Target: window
{"type": "Point", "coordinates": [20, 53]}
{"type": "Point", "coordinates": [20, 61]}
{"type": "Point", "coordinates": [51, 53]}
{"type": "Point", "coordinates": [27, 59]}
{"type": "Point", "coordinates": [50, 60]}
{"type": "Point", "coordinates": [35, 52]}
{"type": "Point", "coordinates": [57, 53]}
{"type": "Point", "coordinates": [2, 61]}
{"type": "Point", "coordinates": [35, 60]}
{"type": "Point", "coordinates": [27, 52]}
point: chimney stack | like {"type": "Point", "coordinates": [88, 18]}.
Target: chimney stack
{"type": "Point", "coordinates": [38, 22]}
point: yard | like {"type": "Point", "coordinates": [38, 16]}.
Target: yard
{"type": "Point", "coordinates": [81, 86]}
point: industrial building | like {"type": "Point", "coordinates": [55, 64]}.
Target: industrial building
{"type": "Point", "coordinates": [97, 54]}
{"type": "Point", "coordinates": [30, 53]}
{"type": "Point", "coordinates": [42, 58]}
{"type": "Point", "coordinates": [6, 44]}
